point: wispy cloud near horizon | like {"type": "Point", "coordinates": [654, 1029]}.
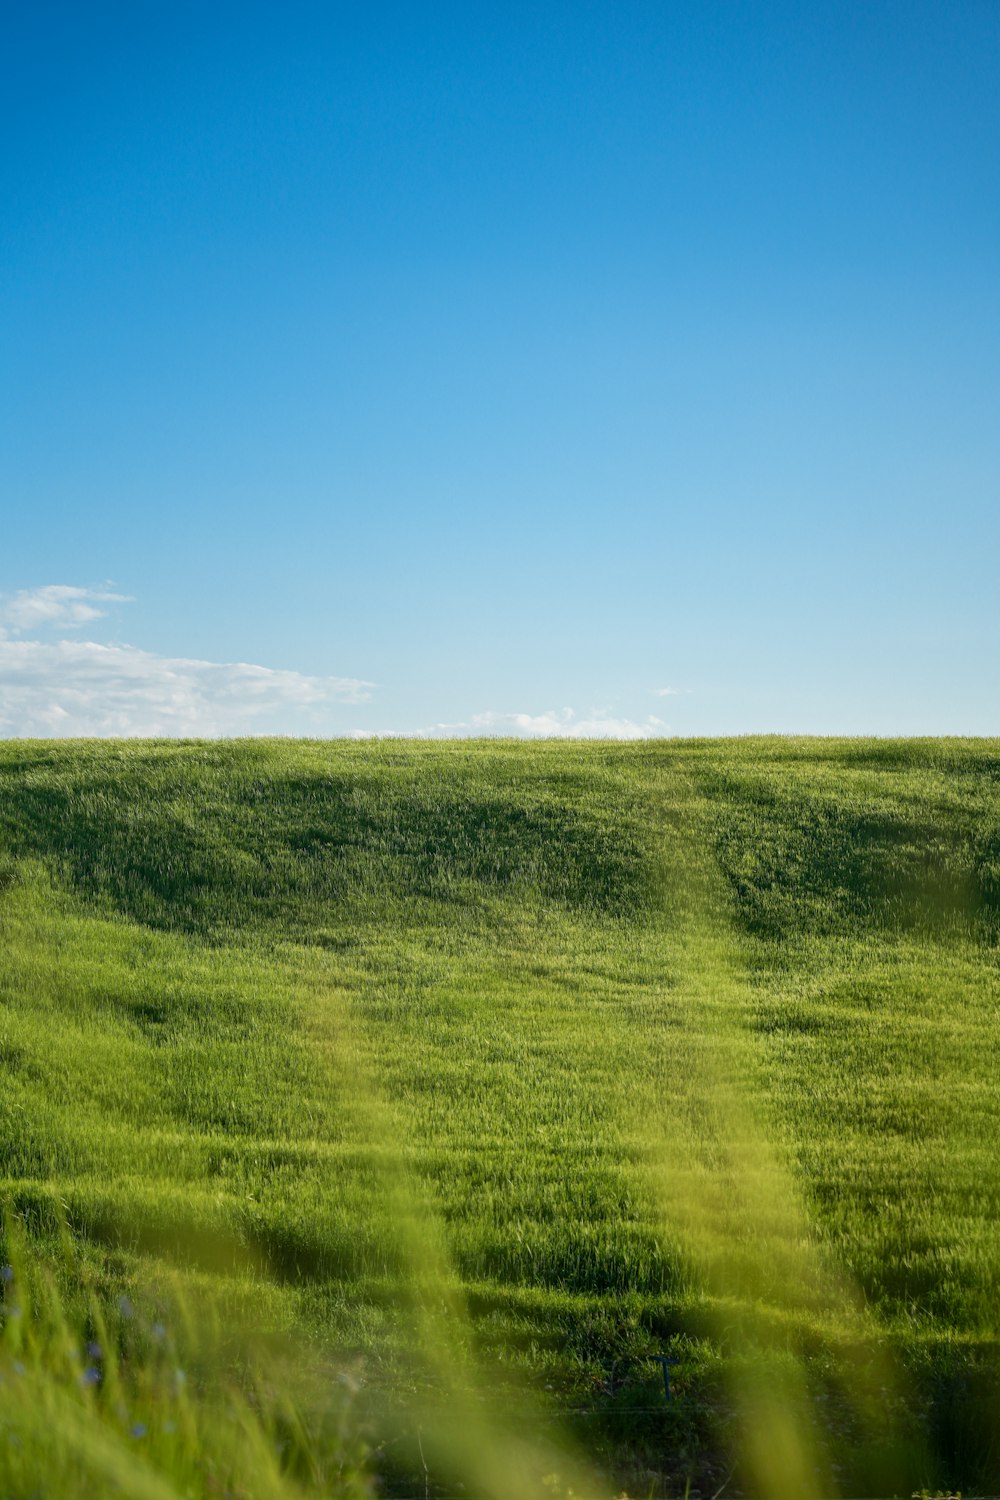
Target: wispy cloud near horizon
{"type": "Point", "coordinates": [83, 688]}
{"type": "Point", "coordinates": [53, 683]}
{"type": "Point", "coordinates": [563, 723]}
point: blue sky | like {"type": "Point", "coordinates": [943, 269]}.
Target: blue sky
{"type": "Point", "coordinates": [498, 366]}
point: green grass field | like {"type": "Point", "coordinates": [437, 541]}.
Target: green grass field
{"type": "Point", "coordinates": [374, 1115]}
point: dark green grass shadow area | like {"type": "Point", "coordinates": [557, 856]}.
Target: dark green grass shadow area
{"type": "Point", "coordinates": [205, 838]}
{"type": "Point", "coordinates": [856, 839]}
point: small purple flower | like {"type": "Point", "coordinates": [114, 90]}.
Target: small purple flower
{"type": "Point", "coordinates": [94, 1350]}
{"type": "Point", "coordinates": [138, 1429]}
{"type": "Point", "coordinates": [91, 1375]}
{"type": "Point", "coordinates": [18, 1367]}
{"type": "Point", "coordinates": [125, 1307]}
{"type": "Point", "coordinates": [6, 1273]}
{"type": "Point", "coordinates": [159, 1332]}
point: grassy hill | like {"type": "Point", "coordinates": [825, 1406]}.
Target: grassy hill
{"type": "Point", "coordinates": [388, 1109]}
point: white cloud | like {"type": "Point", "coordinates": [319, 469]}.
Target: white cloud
{"type": "Point", "coordinates": [566, 724]}
{"type": "Point", "coordinates": [555, 724]}
{"type": "Point", "coordinates": [59, 687]}
{"type": "Point", "coordinates": [55, 604]}
{"type": "Point", "coordinates": [81, 688]}
{"type": "Point", "coordinates": [665, 692]}
{"type": "Point", "coordinates": [78, 687]}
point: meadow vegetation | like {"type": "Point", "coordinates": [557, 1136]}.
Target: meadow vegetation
{"type": "Point", "coordinates": [380, 1116]}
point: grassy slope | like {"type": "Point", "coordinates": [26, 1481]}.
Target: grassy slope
{"type": "Point", "coordinates": [686, 1047]}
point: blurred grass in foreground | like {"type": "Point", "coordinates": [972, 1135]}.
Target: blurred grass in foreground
{"type": "Point", "coordinates": [437, 1090]}
{"type": "Point", "coordinates": [104, 1396]}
